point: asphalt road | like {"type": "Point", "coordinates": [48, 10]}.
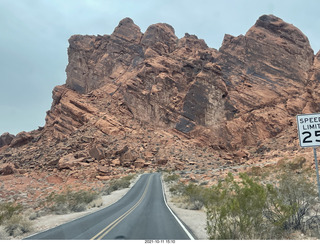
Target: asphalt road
{"type": "Point", "coordinates": [142, 214]}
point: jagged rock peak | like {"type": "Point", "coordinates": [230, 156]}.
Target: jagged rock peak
{"type": "Point", "coordinates": [275, 26]}
{"type": "Point", "coordinates": [128, 30]}
{"type": "Point", "coordinates": [161, 37]}
{"type": "Point", "coordinates": [192, 41]}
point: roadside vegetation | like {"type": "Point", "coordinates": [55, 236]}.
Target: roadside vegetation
{"type": "Point", "coordinates": [15, 220]}
{"type": "Point", "coordinates": [12, 220]}
{"type": "Point", "coordinates": [78, 201]}
{"type": "Point", "coordinates": [271, 203]}
{"type": "Point", "coordinates": [69, 201]}
{"type": "Point", "coordinates": [118, 184]}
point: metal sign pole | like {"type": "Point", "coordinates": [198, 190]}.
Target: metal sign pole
{"type": "Point", "coordinates": [316, 161]}
{"type": "Point", "coordinates": [309, 136]}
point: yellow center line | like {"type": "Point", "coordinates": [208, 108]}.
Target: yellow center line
{"type": "Point", "coordinates": [106, 230]}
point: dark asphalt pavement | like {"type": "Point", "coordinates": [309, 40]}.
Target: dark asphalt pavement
{"type": "Point", "coordinates": [142, 214]}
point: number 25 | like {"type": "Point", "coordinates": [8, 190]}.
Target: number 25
{"type": "Point", "coordinates": [308, 133]}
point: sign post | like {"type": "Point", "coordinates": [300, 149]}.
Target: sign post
{"type": "Point", "coordinates": [309, 136]}
{"type": "Point", "coordinates": [316, 161]}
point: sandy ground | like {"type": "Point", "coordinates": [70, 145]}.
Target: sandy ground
{"type": "Point", "coordinates": [195, 220]}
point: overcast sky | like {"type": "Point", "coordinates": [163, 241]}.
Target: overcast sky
{"type": "Point", "coordinates": [34, 38]}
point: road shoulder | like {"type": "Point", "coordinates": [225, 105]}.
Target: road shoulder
{"type": "Point", "coordinates": [52, 220]}
{"type": "Point", "coordinates": [194, 219]}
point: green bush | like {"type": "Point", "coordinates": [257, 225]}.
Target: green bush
{"type": "Point", "coordinates": [245, 209]}
{"type": "Point", "coordinates": [70, 201]}
{"type": "Point", "coordinates": [292, 164]}
{"type": "Point", "coordinates": [7, 210]}
{"type": "Point", "coordinates": [12, 219]}
{"type": "Point", "coordinates": [234, 209]}
{"type": "Point", "coordinates": [177, 189]}
{"type": "Point", "coordinates": [289, 202]}
{"type": "Point", "coordinates": [171, 178]}
{"type": "Point", "coordinates": [117, 184]}
{"type": "Point", "coordinates": [195, 196]}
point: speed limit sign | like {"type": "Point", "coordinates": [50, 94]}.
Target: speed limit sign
{"type": "Point", "coordinates": [309, 136]}
{"type": "Point", "coordinates": [309, 130]}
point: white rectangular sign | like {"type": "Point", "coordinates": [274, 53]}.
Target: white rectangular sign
{"type": "Point", "coordinates": [309, 129]}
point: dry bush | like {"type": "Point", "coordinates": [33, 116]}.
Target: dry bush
{"type": "Point", "coordinates": [245, 209]}
{"type": "Point", "coordinates": [118, 184]}
{"type": "Point", "coordinates": [12, 220]}
{"type": "Point", "coordinates": [70, 201]}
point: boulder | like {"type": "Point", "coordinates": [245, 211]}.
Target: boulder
{"type": "Point", "coordinates": [7, 169]}
{"type": "Point", "coordinates": [6, 138]}
{"type": "Point", "coordinates": [160, 37]}
{"type": "Point", "coordinates": [104, 177]}
{"type": "Point", "coordinates": [127, 158]}
{"type": "Point", "coordinates": [21, 139]}
{"type": "Point", "coordinates": [69, 162]}
{"type": "Point", "coordinates": [162, 162]}
{"type": "Point", "coordinates": [97, 152]}
{"type": "Point", "coordinates": [115, 162]}
{"type": "Point", "coordinates": [139, 163]}
{"type": "Point", "coordinates": [104, 170]}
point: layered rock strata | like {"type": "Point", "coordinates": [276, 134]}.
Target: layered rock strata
{"type": "Point", "coordinates": [136, 100]}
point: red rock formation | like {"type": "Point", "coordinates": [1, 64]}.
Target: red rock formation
{"type": "Point", "coordinates": [6, 139]}
{"type": "Point", "coordinates": [133, 99]}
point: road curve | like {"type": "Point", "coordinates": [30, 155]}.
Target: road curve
{"type": "Point", "coordinates": [142, 214]}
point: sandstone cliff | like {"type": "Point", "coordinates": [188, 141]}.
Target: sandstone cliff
{"type": "Point", "coordinates": [244, 93]}
{"type": "Point", "coordinates": [137, 100]}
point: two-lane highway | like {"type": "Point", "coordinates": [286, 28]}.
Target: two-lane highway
{"type": "Point", "coordinates": [139, 215]}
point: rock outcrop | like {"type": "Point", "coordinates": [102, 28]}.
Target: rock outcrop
{"type": "Point", "coordinates": [6, 139]}
{"type": "Point", "coordinates": [267, 72]}
{"type": "Point", "coordinates": [238, 96]}
{"type": "Point", "coordinates": [136, 100]}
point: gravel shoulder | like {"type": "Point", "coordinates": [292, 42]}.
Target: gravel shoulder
{"type": "Point", "coordinates": [194, 219]}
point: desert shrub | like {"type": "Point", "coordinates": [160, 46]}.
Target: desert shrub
{"type": "Point", "coordinates": [292, 164]}
{"type": "Point", "coordinates": [17, 225]}
{"type": "Point", "coordinates": [289, 202]}
{"type": "Point", "coordinates": [177, 189]}
{"type": "Point", "coordinates": [255, 171]}
{"type": "Point", "coordinates": [12, 219]}
{"type": "Point", "coordinates": [298, 162]}
{"type": "Point", "coordinates": [195, 196]}
{"type": "Point", "coordinates": [70, 201]}
{"type": "Point", "coordinates": [234, 209]}
{"type": "Point", "coordinates": [171, 178]}
{"type": "Point", "coordinates": [245, 209]}
{"type": "Point", "coordinates": [117, 184]}
{"type": "Point", "coordinates": [96, 203]}
{"type": "Point", "coordinates": [9, 209]}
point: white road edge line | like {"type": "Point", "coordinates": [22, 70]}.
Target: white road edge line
{"type": "Point", "coordinates": [178, 220]}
